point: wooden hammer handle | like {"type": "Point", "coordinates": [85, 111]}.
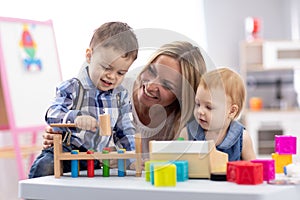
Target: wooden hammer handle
{"type": "Point", "coordinates": [63, 125]}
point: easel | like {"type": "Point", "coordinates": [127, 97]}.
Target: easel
{"type": "Point", "coordinates": [59, 155]}
{"type": "Point", "coordinates": [25, 81]}
{"type": "Point", "coordinates": [17, 151]}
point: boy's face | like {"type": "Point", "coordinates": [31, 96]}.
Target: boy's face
{"type": "Point", "coordinates": [107, 67]}
{"type": "Point", "coordinates": [212, 109]}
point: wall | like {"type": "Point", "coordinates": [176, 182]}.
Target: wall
{"type": "Point", "coordinates": [74, 23]}
{"type": "Point", "coordinates": [225, 25]}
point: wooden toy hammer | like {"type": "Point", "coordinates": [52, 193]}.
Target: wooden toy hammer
{"type": "Point", "coordinates": [104, 125]}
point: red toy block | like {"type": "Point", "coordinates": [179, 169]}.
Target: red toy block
{"type": "Point", "coordinates": [244, 172]}
{"type": "Point", "coordinates": [268, 168]}
{"type": "Point", "coordinates": [285, 144]}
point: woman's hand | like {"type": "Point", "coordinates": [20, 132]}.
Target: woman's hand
{"type": "Point", "coordinates": [48, 137]}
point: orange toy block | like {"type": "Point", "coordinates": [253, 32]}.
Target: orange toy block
{"type": "Point", "coordinates": [281, 160]}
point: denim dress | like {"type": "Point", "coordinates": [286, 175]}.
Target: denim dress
{"type": "Point", "coordinates": [232, 143]}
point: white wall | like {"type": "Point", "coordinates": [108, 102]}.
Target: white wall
{"type": "Point", "coordinates": [75, 21]}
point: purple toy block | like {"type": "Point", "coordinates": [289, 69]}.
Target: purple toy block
{"type": "Point", "coordinates": [285, 144]}
{"type": "Point", "coordinates": [268, 168]}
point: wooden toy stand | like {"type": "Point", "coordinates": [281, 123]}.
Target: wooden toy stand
{"type": "Point", "coordinates": [59, 155]}
{"type": "Point", "coordinates": [202, 156]}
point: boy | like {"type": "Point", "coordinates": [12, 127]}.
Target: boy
{"type": "Point", "coordinates": [112, 50]}
{"type": "Point", "coordinates": [219, 101]}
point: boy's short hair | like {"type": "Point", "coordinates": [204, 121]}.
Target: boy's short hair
{"type": "Point", "coordinates": [117, 35]}
{"type": "Point", "coordinates": [228, 79]}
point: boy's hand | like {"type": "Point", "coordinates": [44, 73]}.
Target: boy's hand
{"type": "Point", "coordinates": [86, 122]}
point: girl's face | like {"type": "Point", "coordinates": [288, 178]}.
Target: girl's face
{"type": "Point", "coordinates": [212, 110]}
{"type": "Point", "coordinates": [107, 68]}
{"type": "Point", "coordinates": [160, 82]}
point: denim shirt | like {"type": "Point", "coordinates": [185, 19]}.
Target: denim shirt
{"type": "Point", "coordinates": [232, 143]}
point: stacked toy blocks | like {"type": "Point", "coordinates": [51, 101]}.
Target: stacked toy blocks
{"type": "Point", "coordinates": [285, 147]}
{"type": "Point", "coordinates": [245, 172]}
{"type": "Point", "coordinates": [166, 173]}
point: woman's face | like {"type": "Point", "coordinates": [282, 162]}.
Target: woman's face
{"type": "Point", "coordinates": [160, 82]}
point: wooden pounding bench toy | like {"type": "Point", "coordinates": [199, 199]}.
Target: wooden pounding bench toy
{"type": "Point", "coordinates": [105, 128]}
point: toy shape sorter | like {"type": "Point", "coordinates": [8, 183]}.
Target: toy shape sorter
{"type": "Point", "coordinates": [202, 156]}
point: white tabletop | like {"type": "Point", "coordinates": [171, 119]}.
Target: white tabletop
{"type": "Point", "coordinates": [136, 188]}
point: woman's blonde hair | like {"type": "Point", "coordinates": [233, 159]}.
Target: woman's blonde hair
{"type": "Point", "coordinates": [232, 83]}
{"type": "Point", "coordinates": [192, 67]}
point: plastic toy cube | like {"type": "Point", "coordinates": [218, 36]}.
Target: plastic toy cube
{"type": "Point", "coordinates": [285, 144]}
{"type": "Point", "coordinates": [182, 171]}
{"type": "Point", "coordinates": [147, 168]}
{"type": "Point", "coordinates": [164, 174]}
{"type": "Point", "coordinates": [244, 172]}
{"type": "Point", "coordinates": [268, 168]}
{"type": "Point", "coordinates": [281, 161]}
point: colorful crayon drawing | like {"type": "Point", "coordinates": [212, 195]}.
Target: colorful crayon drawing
{"type": "Point", "coordinates": [29, 47]}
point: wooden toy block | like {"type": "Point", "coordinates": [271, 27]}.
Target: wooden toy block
{"type": "Point", "coordinates": [105, 166]}
{"type": "Point", "coordinates": [74, 165]}
{"type": "Point", "coordinates": [104, 125]}
{"type": "Point", "coordinates": [244, 172]}
{"type": "Point", "coordinates": [59, 155]}
{"type": "Point", "coordinates": [202, 156]}
{"type": "Point", "coordinates": [90, 165]}
{"type": "Point", "coordinates": [268, 168]}
{"type": "Point", "coordinates": [121, 164]}
{"type": "Point", "coordinates": [285, 144]}
{"type": "Point", "coordinates": [164, 174]}
{"type": "Point", "coordinates": [281, 160]}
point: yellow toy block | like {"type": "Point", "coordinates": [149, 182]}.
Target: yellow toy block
{"type": "Point", "coordinates": [164, 175]}
{"type": "Point", "coordinates": [281, 160]}
{"type": "Point", "coordinates": [147, 168]}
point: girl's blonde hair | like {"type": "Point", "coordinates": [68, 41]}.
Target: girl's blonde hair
{"type": "Point", "coordinates": [192, 67]}
{"type": "Point", "coordinates": [232, 83]}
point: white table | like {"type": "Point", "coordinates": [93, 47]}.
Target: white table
{"type": "Point", "coordinates": [136, 188]}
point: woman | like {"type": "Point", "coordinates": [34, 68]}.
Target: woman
{"type": "Point", "coordinates": [163, 93]}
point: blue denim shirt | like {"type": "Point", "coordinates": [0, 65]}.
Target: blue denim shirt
{"type": "Point", "coordinates": [232, 143]}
